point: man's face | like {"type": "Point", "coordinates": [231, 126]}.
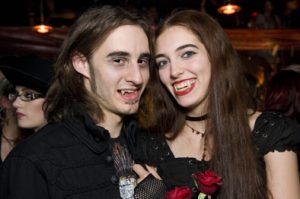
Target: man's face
{"type": "Point", "coordinates": [121, 69]}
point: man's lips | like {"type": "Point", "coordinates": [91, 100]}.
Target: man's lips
{"type": "Point", "coordinates": [130, 94]}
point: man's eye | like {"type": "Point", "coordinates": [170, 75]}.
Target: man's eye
{"type": "Point", "coordinates": [119, 60]}
{"type": "Point", "coordinates": [188, 54]}
{"type": "Point", "coordinates": [144, 61]}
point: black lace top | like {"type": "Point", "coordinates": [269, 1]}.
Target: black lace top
{"type": "Point", "coordinates": [271, 132]}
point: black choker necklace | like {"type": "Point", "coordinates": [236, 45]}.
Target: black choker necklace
{"type": "Point", "coordinates": [199, 118]}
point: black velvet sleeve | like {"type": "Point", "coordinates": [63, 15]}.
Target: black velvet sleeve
{"type": "Point", "coordinates": [274, 132]}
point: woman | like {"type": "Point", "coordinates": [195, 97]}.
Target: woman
{"type": "Point", "coordinates": [10, 133]}
{"type": "Point", "coordinates": [203, 123]}
{"type": "Point", "coordinates": [31, 77]}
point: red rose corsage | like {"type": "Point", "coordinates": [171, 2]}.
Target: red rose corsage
{"type": "Point", "coordinates": [179, 193]}
{"type": "Point", "coordinates": [207, 182]}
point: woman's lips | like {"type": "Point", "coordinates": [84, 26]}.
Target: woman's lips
{"type": "Point", "coordinates": [184, 87]}
{"type": "Point", "coordinates": [19, 115]}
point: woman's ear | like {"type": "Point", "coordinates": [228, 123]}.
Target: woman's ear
{"type": "Point", "coordinates": [81, 65]}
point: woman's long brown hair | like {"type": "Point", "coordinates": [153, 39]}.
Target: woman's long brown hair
{"type": "Point", "coordinates": [234, 153]}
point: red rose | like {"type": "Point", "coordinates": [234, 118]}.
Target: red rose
{"type": "Point", "coordinates": [179, 193]}
{"type": "Point", "coordinates": [207, 182]}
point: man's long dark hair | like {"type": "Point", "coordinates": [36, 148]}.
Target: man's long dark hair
{"type": "Point", "coordinates": [68, 91]}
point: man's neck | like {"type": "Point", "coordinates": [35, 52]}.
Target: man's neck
{"type": "Point", "coordinates": [113, 123]}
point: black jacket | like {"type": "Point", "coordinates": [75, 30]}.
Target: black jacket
{"type": "Point", "coordinates": [71, 159]}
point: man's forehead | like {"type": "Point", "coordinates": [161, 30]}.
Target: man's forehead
{"type": "Point", "coordinates": [125, 40]}
{"type": "Point", "coordinates": [122, 32]}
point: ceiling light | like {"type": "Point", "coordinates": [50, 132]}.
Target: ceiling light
{"type": "Point", "coordinates": [229, 8]}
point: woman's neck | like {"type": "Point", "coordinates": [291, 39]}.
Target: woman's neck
{"type": "Point", "coordinates": [199, 111]}
{"type": "Point", "coordinates": [193, 135]}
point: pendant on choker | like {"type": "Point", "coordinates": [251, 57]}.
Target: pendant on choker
{"type": "Point", "coordinates": [195, 131]}
{"type": "Point", "coordinates": [199, 118]}
{"type": "Point", "coordinates": [203, 136]}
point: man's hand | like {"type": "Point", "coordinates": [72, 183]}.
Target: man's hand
{"type": "Point", "coordinates": [143, 172]}
{"type": "Point", "coordinates": [150, 185]}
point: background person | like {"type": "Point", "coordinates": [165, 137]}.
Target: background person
{"type": "Point", "coordinates": [31, 77]}
{"type": "Point", "coordinates": [10, 133]}
{"type": "Point", "coordinates": [267, 19]}
{"type": "Point", "coordinates": [283, 93]}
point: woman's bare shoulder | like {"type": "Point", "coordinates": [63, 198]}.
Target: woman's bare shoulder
{"type": "Point", "coordinates": [252, 118]}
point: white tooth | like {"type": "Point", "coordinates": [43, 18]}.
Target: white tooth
{"type": "Point", "coordinates": [123, 92]}
{"type": "Point", "coordinates": [186, 84]}
{"type": "Point", "coordinates": [183, 85]}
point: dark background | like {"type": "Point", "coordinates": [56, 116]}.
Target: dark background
{"type": "Point", "coordinates": [263, 49]}
{"type": "Point", "coordinates": [64, 12]}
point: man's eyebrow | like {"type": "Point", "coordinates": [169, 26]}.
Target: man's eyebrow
{"type": "Point", "coordinates": [126, 54]}
{"type": "Point", "coordinates": [118, 54]}
{"type": "Point", "coordinates": [147, 55]}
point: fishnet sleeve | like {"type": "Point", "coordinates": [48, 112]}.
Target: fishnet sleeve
{"type": "Point", "coordinates": [150, 188]}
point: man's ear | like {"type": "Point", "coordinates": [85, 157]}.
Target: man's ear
{"type": "Point", "coordinates": [81, 65]}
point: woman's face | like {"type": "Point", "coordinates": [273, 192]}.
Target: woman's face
{"type": "Point", "coordinates": [30, 114]}
{"type": "Point", "coordinates": [184, 67]}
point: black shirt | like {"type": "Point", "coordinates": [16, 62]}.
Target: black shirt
{"type": "Point", "coordinates": [71, 159]}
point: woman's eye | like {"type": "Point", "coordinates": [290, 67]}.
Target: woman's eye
{"type": "Point", "coordinates": [29, 95]}
{"type": "Point", "coordinates": [162, 63]}
{"type": "Point", "coordinates": [188, 54]}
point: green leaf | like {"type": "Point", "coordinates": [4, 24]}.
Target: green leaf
{"type": "Point", "coordinates": [201, 196]}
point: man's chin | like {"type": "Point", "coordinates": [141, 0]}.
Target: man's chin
{"type": "Point", "coordinates": [130, 109]}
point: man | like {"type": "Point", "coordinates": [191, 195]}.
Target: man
{"type": "Point", "coordinates": [101, 73]}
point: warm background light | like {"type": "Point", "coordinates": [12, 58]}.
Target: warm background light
{"type": "Point", "coordinates": [229, 9]}
{"type": "Point", "coordinates": [42, 28]}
